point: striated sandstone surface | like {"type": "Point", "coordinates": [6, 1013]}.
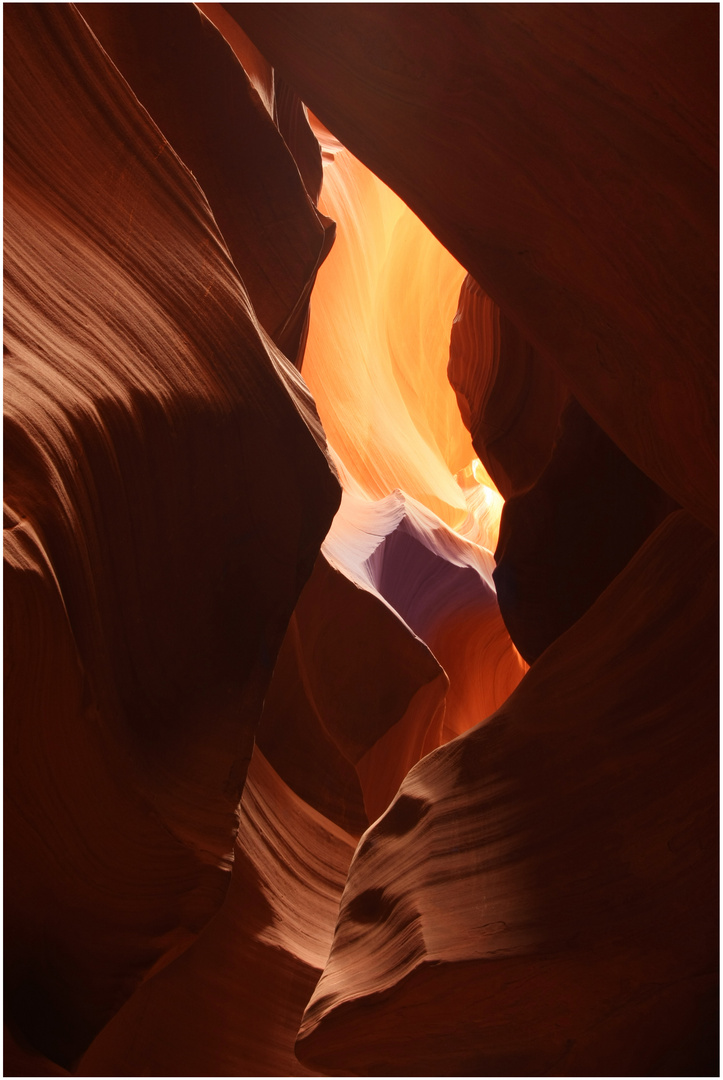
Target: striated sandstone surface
{"type": "Point", "coordinates": [215, 692]}
{"type": "Point", "coordinates": [523, 906]}
{"type": "Point", "coordinates": [184, 73]}
{"type": "Point", "coordinates": [379, 342]}
{"type": "Point", "coordinates": [232, 1003]}
{"type": "Point", "coordinates": [148, 420]}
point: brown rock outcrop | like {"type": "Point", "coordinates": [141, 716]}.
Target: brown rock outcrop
{"type": "Point", "coordinates": [149, 585]}
{"type": "Point", "coordinates": [567, 156]}
{"type": "Point", "coordinates": [563, 541]}
{"type": "Point", "coordinates": [185, 74]}
{"type": "Point", "coordinates": [232, 1003]}
{"type": "Point", "coordinates": [509, 397]}
{"type": "Point", "coordinates": [530, 886]}
{"type": "Point", "coordinates": [218, 677]}
{"type": "Point", "coordinates": [350, 674]}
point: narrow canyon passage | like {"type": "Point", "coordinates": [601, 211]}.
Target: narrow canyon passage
{"type": "Point", "coordinates": [360, 567]}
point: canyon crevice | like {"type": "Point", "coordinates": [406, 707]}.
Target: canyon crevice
{"type": "Point", "coordinates": [361, 539]}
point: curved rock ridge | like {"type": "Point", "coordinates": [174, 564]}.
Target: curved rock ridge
{"type": "Point", "coordinates": [21, 1061]}
{"type": "Point", "coordinates": [361, 525]}
{"type": "Point", "coordinates": [379, 343]}
{"type": "Point", "coordinates": [152, 572]}
{"type": "Point", "coordinates": [350, 675]}
{"type": "Point", "coordinates": [232, 1003]}
{"type": "Point", "coordinates": [97, 888]}
{"type": "Point", "coordinates": [441, 585]}
{"type": "Point", "coordinates": [577, 509]}
{"type": "Point", "coordinates": [258, 70]}
{"type": "Point", "coordinates": [563, 541]}
{"type": "Point", "coordinates": [509, 397]}
{"type": "Point", "coordinates": [293, 121]}
{"type": "Point", "coordinates": [535, 874]}
{"type": "Point", "coordinates": [567, 157]}
{"type": "Point", "coordinates": [207, 106]}
{"type": "Point", "coordinates": [218, 675]}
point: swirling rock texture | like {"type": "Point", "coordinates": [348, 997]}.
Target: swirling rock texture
{"type": "Point", "coordinates": [379, 343]}
{"type": "Point", "coordinates": [149, 579]}
{"type": "Point", "coordinates": [282, 795]}
{"type": "Point", "coordinates": [232, 1002]}
{"type": "Point", "coordinates": [527, 895]}
{"type": "Point", "coordinates": [183, 72]}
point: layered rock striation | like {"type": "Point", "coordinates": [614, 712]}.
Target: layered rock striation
{"type": "Point", "coordinates": [283, 796]}
{"type": "Point", "coordinates": [148, 583]}
{"type": "Point", "coordinates": [522, 907]}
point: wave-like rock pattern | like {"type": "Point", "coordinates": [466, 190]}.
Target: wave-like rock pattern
{"type": "Point", "coordinates": [150, 579]}
{"type": "Point", "coordinates": [232, 1003]}
{"type": "Point", "coordinates": [523, 908]}
{"type": "Point", "coordinates": [185, 74]}
{"type": "Point", "coordinates": [567, 156]}
{"type": "Point", "coordinates": [540, 895]}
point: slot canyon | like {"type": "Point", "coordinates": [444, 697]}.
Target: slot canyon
{"type": "Point", "coordinates": [361, 539]}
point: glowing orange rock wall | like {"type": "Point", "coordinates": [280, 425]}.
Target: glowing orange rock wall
{"type": "Point", "coordinates": [379, 341]}
{"type": "Point", "coordinates": [567, 156]}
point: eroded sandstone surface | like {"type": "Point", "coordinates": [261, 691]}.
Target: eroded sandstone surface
{"type": "Point", "coordinates": [321, 758]}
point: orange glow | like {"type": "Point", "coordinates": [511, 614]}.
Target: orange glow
{"type": "Point", "coordinates": [378, 348]}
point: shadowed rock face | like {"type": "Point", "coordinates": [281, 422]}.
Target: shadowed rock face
{"type": "Point", "coordinates": [353, 672]}
{"type": "Point", "coordinates": [148, 585]}
{"type": "Point", "coordinates": [184, 73]}
{"type": "Point", "coordinates": [234, 1000]}
{"type": "Point", "coordinates": [282, 796]}
{"type": "Point", "coordinates": [563, 541]}
{"type": "Point", "coordinates": [510, 398]}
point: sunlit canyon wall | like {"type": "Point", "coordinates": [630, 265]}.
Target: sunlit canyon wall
{"type": "Point", "coordinates": [320, 759]}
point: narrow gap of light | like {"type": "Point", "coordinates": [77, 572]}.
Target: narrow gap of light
{"type": "Point", "coordinates": [377, 353]}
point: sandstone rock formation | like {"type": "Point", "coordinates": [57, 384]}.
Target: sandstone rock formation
{"type": "Point", "coordinates": [510, 398]}
{"type": "Point", "coordinates": [148, 584]}
{"type": "Point", "coordinates": [183, 72]}
{"type": "Point", "coordinates": [567, 157]}
{"type": "Point", "coordinates": [523, 907]}
{"type": "Point", "coordinates": [282, 795]}
{"type": "Point", "coordinates": [233, 1001]}
{"type": "Point", "coordinates": [379, 342]}
{"type": "Point", "coordinates": [563, 541]}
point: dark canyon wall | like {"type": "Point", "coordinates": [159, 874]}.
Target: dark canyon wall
{"type": "Point", "coordinates": [282, 796]}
